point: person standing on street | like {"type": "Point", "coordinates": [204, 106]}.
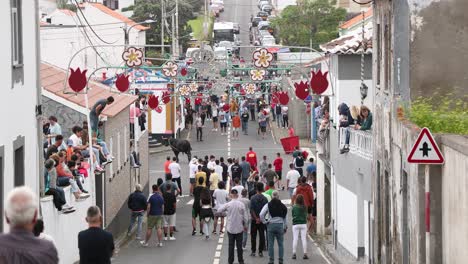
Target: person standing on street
{"type": "Point", "coordinates": [311, 168]}
{"type": "Point", "coordinates": [245, 121]}
{"type": "Point", "coordinates": [257, 202]}
{"type": "Point", "coordinates": [137, 204]}
{"type": "Point", "coordinates": [170, 204]}
{"type": "Point", "coordinates": [251, 158]}
{"type": "Point", "coordinates": [199, 127]}
{"type": "Point", "coordinates": [221, 197]}
{"type": "Point", "coordinates": [20, 245]}
{"type": "Point", "coordinates": [225, 172]}
{"type": "Point", "coordinates": [246, 202]}
{"type": "Point", "coordinates": [284, 113]}
{"type": "Point", "coordinates": [166, 165]}
{"type": "Point", "coordinates": [263, 166]}
{"type": "Point", "coordinates": [292, 178]}
{"type": "Point", "coordinates": [223, 119]}
{"type": "Point", "coordinates": [193, 168]}
{"type": "Point", "coordinates": [276, 226]}
{"type": "Point", "coordinates": [174, 167]}
{"type": "Point", "coordinates": [299, 221]}
{"type": "Point", "coordinates": [307, 193]}
{"type": "Point", "coordinates": [95, 244]}
{"type": "Point", "coordinates": [237, 220]}
{"type": "Point", "coordinates": [245, 171]}
{"type": "Point", "coordinates": [299, 163]}
{"type": "Point", "coordinates": [236, 170]}
{"type": "Point", "coordinates": [278, 163]}
{"type": "Point", "coordinates": [196, 207]}
{"type": "Point", "coordinates": [97, 110]}
{"type": "Point", "coordinates": [155, 216]}
{"type": "Point", "coordinates": [236, 123]}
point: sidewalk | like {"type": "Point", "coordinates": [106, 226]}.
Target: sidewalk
{"type": "Point", "coordinates": [338, 256]}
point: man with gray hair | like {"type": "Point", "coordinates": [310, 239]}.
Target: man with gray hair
{"type": "Point", "coordinates": [276, 225]}
{"type": "Point", "coordinates": [20, 245]}
{"type": "Point", "coordinates": [137, 203]}
{"type": "Point", "coordinates": [95, 244]}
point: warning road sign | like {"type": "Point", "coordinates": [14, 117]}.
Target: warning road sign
{"type": "Point", "coordinates": [425, 150]}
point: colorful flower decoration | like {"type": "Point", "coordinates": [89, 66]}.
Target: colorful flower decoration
{"type": "Point", "coordinates": [153, 101]}
{"type": "Point", "coordinates": [121, 83]}
{"type": "Point", "coordinates": [183, 71]}
{"type": "Point", "coordinates": [77, 79]}
{"type": "Point", "coordinates": [184, 90]}
{"type": "Point", "coordinates": [133, 57]}
{"type": "Point", "coordinates": [166, 97]}
{"type": "Point", "coordinates": [302, 90]}
{"type": "Point", "coordinates": [319, 82]}
{"type": "Point", "coordinates": [283, 98]}
{"type": "Point", "coordinates": [257, 75]}
{"type": "Point", "coordinates": [170, 69]}
{"type": "Point", "coordinates": [262, 58]}
{"type": "Point", "coordinates": [193, 87]}
{"type": "Point", "coordinates": [250, 88]}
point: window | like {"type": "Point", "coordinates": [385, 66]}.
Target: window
{"type": "Point", "coordinates": [16, 33]}
{"type": "Point", "coordinates": [119, 154]}
{"type": "Point", "coordinates": [111, 169]}
{"type": "Point", "coordinates": [19, 166]}
{"type": "Point", "coordinates": [125, 143]}
{"type": "Point", "coordinates": [379, 55]}
{"type": "Point", "coordinates": [2, 153]}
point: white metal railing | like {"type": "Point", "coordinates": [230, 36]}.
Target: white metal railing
{"type": "Point", "coordinates": [360, 142]}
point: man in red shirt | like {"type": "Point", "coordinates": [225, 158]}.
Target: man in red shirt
{"type": "Point", "coordinates": [166, 165]}
{"type": "Point", "coordinates": [278, 163]}
{"type": "Point", "coordinates": [251, 157]}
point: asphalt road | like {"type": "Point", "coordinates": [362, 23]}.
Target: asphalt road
{"type": "Point", "coordinates": [195, 249]}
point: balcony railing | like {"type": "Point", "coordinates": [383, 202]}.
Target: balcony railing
{"type": "Point", "coordinates": [360, 142]}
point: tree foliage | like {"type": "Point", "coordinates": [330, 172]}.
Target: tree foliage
{"type": "Point", "coordinates": [319, 19]}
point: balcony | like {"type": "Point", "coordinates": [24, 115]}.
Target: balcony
{"type": "Point", "coordinates": [360, 142]}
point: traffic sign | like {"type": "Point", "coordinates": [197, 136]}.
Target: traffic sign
{"type": "Point", "coordinates": [425, 150]}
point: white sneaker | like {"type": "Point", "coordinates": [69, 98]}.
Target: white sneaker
{"type": "Point", "coordinates": [144, 243]}
{"type": "Point", "coordinates": [165, 238]}
{"type": "Point", "coordinates": [172, 238]}
{"type": "Point", "coordinates": [84, 195]}
{"type": "Point", "coordinates": [160, 244]}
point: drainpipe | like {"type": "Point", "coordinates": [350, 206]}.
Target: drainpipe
{"type": "Point", "coordinates": [40, 191]}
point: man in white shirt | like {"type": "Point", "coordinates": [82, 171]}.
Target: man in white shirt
{"type": "Point", "coordinates": [237, 186]}
{"type": "Point", "coordinates": [291, 179]}
{"type": "Point", "coordinates": [212, 163]}
{"type": "Point", "coordinates": [174, 167]}
{"type": "Point", "coordinates": [78, 144]}
{"type": "Point", "coordinates": [54, 129]}
{"type": "Point", "coordinates": [218, 168]}
{"type": "Point", "coordinates": [193, 169]}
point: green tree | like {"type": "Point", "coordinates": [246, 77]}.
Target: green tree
{"type": "Point", "coordinates": [317, 19]}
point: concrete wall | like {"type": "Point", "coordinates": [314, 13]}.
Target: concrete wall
{"type": "Point", "coordinates": [120, 176]}
{"type": "Point", "coordinates": [19, 97]}
{"type": "Point", "coordinates": [454, 209]}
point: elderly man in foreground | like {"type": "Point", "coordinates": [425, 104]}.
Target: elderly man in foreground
{"type": "Point", "coordinates": [20, 245]}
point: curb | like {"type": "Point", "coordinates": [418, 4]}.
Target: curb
{"type": "Point", "coordinates": [318, 242]}
{"type": "Point", "coordinates": [159, 150]}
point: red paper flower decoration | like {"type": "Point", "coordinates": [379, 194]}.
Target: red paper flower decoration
{"type": "Point", "coordinates": [226, 107]}
{"type": "Point", "coordinates": [158, 109]}
{"type": "Point", "coordinates": [153, 101]}
{"type": "Point", "coordinates": [302, 90]}
{"type": "Point", "coordinates": [77, 80]}
{"type": "Point", "coordinates": [166, 97]}
{"type": "Point", "coordinates": [199, 99]}
{"type": "Point", "coordinates": [122, 82]}
{"type": "Point", "coordinates": [274, 98]}
{"type": "Point", "coordinates": [283, 98]}
{"type": "Point", "coordinates": [319, 82]}
{"type": "Point", "coordinates": [187, 100]}
{"type": "Point", "coordinates": [183, 71]}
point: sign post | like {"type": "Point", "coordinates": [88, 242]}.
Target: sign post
{"type": "Point", "coordinates": [425, 151]}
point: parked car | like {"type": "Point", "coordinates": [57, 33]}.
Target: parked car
{"type": "Point", "coordinates": [255, 21]}
{"type": "Point", "coordinates": [263, 15]}
{"type": "Point", "coordinates": [221, 53]}
{"type": "Point", "coordinates": [261, 3]}
{"type": "Point", "coordinates": [267, 8]}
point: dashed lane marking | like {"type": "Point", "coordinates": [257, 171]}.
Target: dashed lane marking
{"type": "Point", "coordinates": [219, 247]}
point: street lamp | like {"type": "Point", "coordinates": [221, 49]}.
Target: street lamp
{"type": "Point", "coordinates": [127, 30]}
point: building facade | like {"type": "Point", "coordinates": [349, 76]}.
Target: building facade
{"type": "Point", "coordinates": [19, 100]}
{"type": "Point", "coordinates": [419, 49]}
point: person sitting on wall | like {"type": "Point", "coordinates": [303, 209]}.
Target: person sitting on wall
{"type": "Point", "coordinates": [77, 144]}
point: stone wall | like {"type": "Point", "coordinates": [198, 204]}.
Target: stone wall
{"type": "Point", "coordinates": [67, 117]}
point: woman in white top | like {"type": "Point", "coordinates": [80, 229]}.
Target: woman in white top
{"type": "Point", "coordinates": [221, 197]}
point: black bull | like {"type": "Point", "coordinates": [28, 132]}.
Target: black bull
{"type": "Point", "coordinates": [179, 146]}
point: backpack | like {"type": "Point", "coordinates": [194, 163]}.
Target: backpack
{"type": "Point", "coordinates": [299, 162]}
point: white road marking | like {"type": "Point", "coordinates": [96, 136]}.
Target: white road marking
{"type": "Point", "coordinates": [286, 201]}
{"type": "Point", "coordinates": [220, 241]}
{"type": "Point", "coordinates": [216, 261]}
{"type": "Point", "coordinates": [156, 171]}
{"type": "Point", "coordinates": [217, 254]}
{"type": "Point", "coordinates": [319, 249]}
{"type": "Point", "coordinates": [190, 202]}
{"type": "Point", "coordinates": [219, 247]}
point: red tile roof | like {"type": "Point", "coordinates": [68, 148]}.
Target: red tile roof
{"type": "Point", "coordinates": [117, 15]}
{"type": "Point", "coordinates": [357, 19]}
{"type": "Point", "coordinates": [52, 80]}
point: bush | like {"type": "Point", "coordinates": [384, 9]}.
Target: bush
{"type": "Point", "coordinates": [441, 114]}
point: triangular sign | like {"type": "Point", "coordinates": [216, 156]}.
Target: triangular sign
{"type": "Point", "coordinates": [425, 150]}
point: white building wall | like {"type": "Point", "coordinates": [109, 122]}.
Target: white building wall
{"type": "Point", "coordinates": [18, 100]}
{"type": "Point", "coordinates": [347, 219]}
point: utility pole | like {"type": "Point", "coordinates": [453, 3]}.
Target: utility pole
{"type": "Point", "coordinates": [177, 49]}
{"type": "Point", "coordinates": [163, 15]}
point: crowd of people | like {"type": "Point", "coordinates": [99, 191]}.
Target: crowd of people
{"type": "Point", "coordinates": [245, 192]}
{"type": "Point", "coordinates": [235, 112]}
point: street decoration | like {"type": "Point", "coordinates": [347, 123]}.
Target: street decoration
{"type": "Point", "coordinates": [193, 87]}
{"type": "Point", "coordinates": [158, 109]}
{"type": "Point", "coordinates": [153, 101]}
{"type": "Point", "coordinates": [275, 98]}
{"type": "Point", "coordinates": [257, 74]}
{"type": "Point", "coordinates": [319, 82]}
{"type": "Point", "coordinates": [226, 107]}
{"type": "Point", "coordinates": [170, 69]}
{"type": "Point", "coordinates": [133, 57]}
{"type": "Point", "coordinates": [250, 88]}
{"type": "Point", "coordinates": [262, 58]}
{"type": "Point", "coordinates": [302, 90]}
{"type": "Point", "coordinates": [121, 83]}
{"type": "Point", "coordinates": [77, 79]}
{"type": "Point", "coordinates": [184, 90]}
{"type": "Point", "coordinates": [187, 100]}
{"type": "Point", "coordinates": [283, 98]}
{"type": "Point", "coordinates": [166, 97]}
{"type": "Point", "coordinates": [183, 71]}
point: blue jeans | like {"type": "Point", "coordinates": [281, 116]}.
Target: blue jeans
{"type": "Point", "coordinates": [275, 231]}
{"type": "Point", "coordinates": [245, 126]}
{"type": "Point", "coordinates": [136, 216]}
{"type": "Point", "coordinates": [105, 150]}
